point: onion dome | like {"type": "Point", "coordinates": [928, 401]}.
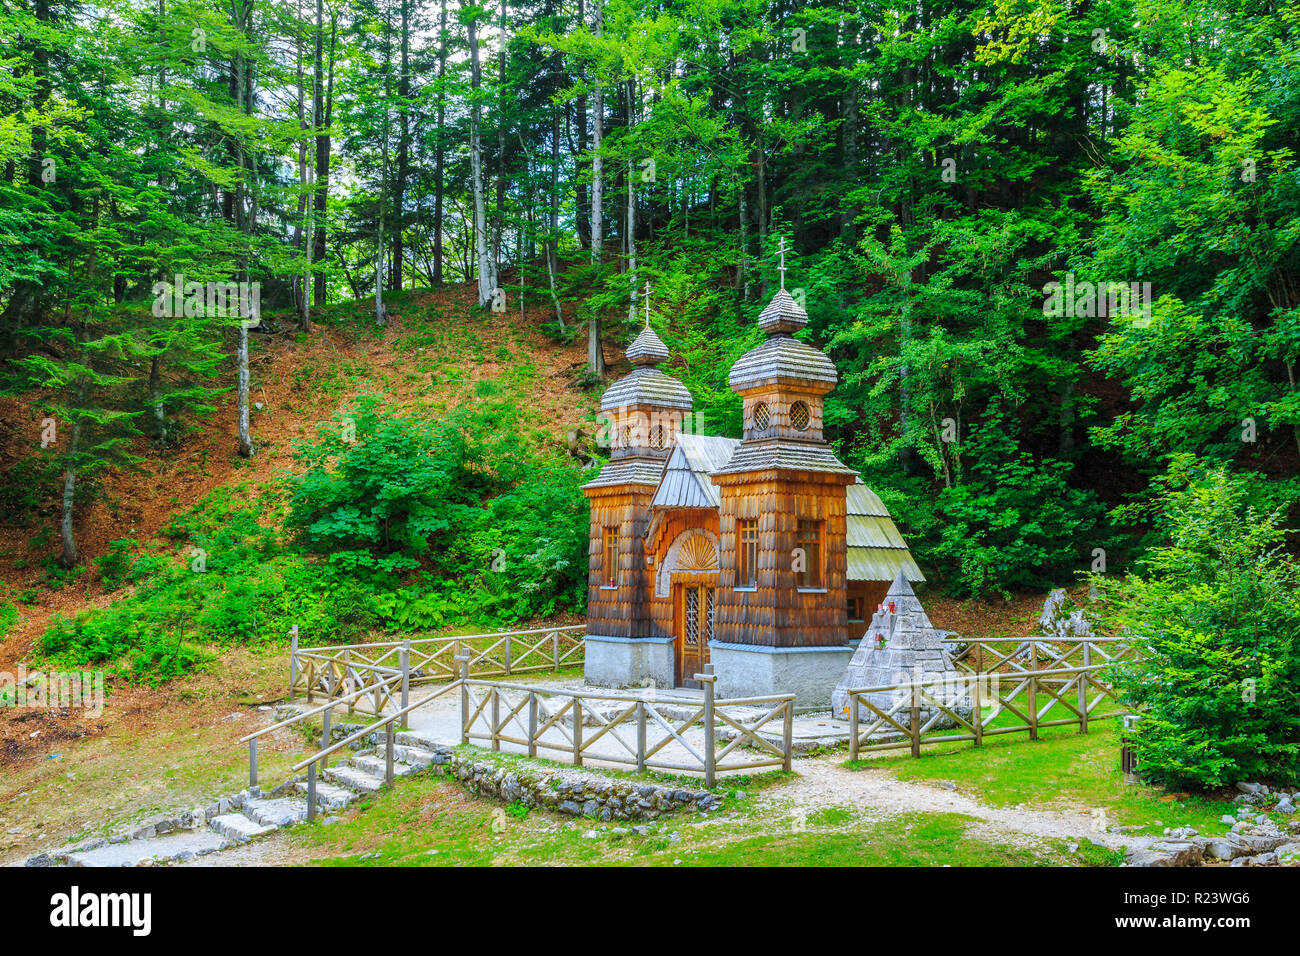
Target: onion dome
{"type": "Point", "coordinates": [647, 349]}
{"type": "Point", "coordinates": [782, 315]}
{"type": "Point", "coordinates": [782, 359]}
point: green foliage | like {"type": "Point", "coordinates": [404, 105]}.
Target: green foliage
{"type": "Point", "coordinates": [8, 618]}
{"type": "Point", "coordinates": [1215, 619]}
{"type": "Point", "coordinates": [115, 565]}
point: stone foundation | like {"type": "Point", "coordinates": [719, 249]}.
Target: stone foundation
{"type": "Point", "coordinates": [748, 670]}
{"type": "Point", "coordinates": [619, 662]}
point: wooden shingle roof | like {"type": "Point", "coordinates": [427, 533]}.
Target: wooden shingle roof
{"type": "Point", "coordinates": [782, 359]}
{"type": "Point", "coordinates": [646, 386]}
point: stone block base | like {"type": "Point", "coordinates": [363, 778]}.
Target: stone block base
{"type": "Point", "coordinates": [629, 661]}
{"type": "Point", "coordinates": [810, 673]}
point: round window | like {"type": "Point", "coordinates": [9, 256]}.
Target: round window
{"type": "Point", "coordinates": [762, 417]}
{"type": "Point", "coordinates": [800, 416]}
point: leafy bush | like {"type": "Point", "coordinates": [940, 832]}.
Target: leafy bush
{"type": "Point", "coordinates": [1216, 622]}
{"type": "Point", "coordinates": [8, 619]}
{"type": "Point", "coordinates": [1012, 522]}
{"type": "Point", "coordinates": [115, 566]}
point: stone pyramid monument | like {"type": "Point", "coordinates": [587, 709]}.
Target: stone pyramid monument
{"type": "Point", "coordinates": [901, 646]}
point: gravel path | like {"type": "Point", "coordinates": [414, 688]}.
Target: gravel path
{"type": "Point", "coordinates": [823, 782]}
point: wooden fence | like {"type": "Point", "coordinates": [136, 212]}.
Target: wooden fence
{"type": "Point", "coordinates": [387, 666]}
{"type": "Point", "coordinates": [556, 722]}
{"type": "Point", "coordinates": [1025, 681]}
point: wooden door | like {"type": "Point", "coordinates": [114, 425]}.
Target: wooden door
{"type": "Point", "coordinates": [694, 631]}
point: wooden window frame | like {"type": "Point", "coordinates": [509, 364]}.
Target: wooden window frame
{"type": "Point", "coordinates": [813, 577]}
{"type": "Point", "coordinates": [609, 567]}
{"type": "Point", "coordinates": [746, 554]}
{"type": "Point", "coordinates": [856, 604]}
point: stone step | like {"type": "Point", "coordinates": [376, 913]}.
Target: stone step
{"type": "Point", "coordinates": [417, 757]}
{"type": "Point", "coordinates": [376, 766]}
{"type": "Point", "coordinates": [278, 812]}
{"type": "Point", "coordinates": [237, 827]}
{"type": "Point", "coordinates": [415, 738]}
{"type": "Point", "coordinates": [355, 778]}
{"type": "Point", "coordinates": [178, 845]}
{"type": "Point", "coordinates": [328, 796]}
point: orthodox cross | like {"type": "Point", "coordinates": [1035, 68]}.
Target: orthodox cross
{"type": "Point", "coordinates": [781, 267]}
{"type": "Point", "coordinates": [647, 303]}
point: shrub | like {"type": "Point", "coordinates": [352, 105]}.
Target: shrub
{"type": "Point", "coordinates": [1215, 618]}
{"type": "Point", "coordinates": [115, 566]}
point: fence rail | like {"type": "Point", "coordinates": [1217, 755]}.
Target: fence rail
{"type": "Point", "coordinates": [708, 736]}
{"type": "Point", "coordinates": [1028, 681]}
{"type": "Point", "coordinates": [340, 669]}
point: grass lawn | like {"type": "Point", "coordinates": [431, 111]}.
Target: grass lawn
{"type": "Point", "coordinates": [429, 820]}
{"type": "Point", "coordinates": [1062, 769]}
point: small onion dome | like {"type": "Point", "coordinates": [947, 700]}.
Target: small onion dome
{"type": "Point", "coordinates": [782, 314]}
{"type": "Point", "coordinates": [648, 349]}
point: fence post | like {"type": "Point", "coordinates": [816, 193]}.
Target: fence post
{"type": "Point", "coordinates": [916, 719]}
{"type": "Point", "coordinates": [311, 791]}
{"type": "Point", "coordinates": [464, 697]}
{"type": "Point", "coordinates": [252, 764]}
{"type": "Point", "coordinates": [577, 731]}
{"type": "Point", "coordinates": [977, 701]}
{"type": "Point", "coordinates": [555, 650]}
{"type": "Point", "coordinates": [710, 769]}
{"type": "Point", "coordinates": [293, 659]}
{"type": "Point", "coordinates": [787, 737]}
{"type": "Point", "coordinates": [1033, 689]}
{"type": "Point", "coordinates": [640, 736]}
{"type": "Point", "coordinates": [388, 754]}
{"type": "Point", "coordinates": [347, 668]}
{"type": "Point", "coordinates": [406, 682]}
{"type": "Point", "coordinates": [532, 723]}
{"type": "Point", "coordinates": [853, 726]}
{"type": "Point", "coordinates": [507, 655]}
{"type": "Point", "coordinates": [1083, 688]}
{"type": "Point", "coordinates": [496, 719]}
{"type": "Point", "coordinates": [325, 736]}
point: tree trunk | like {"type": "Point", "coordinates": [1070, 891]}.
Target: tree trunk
{"type": "Point", "coordinates": [439, 151]}
{"type": "Point", "coordinates": [68, 557]}
{"type": "Point", "coordinates": [597, 190]}
{"type": "Point", "coordinates": [322, 108]}
{"type": "Point", "coordinates": [486, 274]}
{"type": "Point", "coordinates": [403, 149]}
{"type": "Point", "coordinates": [245, 438]}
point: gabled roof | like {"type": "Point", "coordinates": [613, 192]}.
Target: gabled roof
{"type": "Point", "coordinates": [877, 552]}
{"type": "Point", "coordinates": [685, 482]}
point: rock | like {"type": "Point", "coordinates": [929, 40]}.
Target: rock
{"type": "Point", "coordinates": [1284, 806]}
{"type": "Point", "coordinates": [40, 859]}
{"type": "Point", "coordinates": [1254, 843]}
{"type": "Point", "coordinates": [1266, 859]}
{"type": "Point", "coordinates": [1222, 850]}
{"type": "Point", "coordinates": [1167, 853]}
{"type": "Point", "coordinates": [1250, 788]}
{"type": "Point", "coordinates": [1228, 818]}
{"type": "Point", "coordinates": [947, 785]}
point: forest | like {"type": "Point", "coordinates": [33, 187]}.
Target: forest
{"type": "Point", "coordinates": [1053, 247]}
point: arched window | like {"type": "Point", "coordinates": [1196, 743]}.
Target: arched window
{"type": "Point", "coordinates": [762, 417]}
